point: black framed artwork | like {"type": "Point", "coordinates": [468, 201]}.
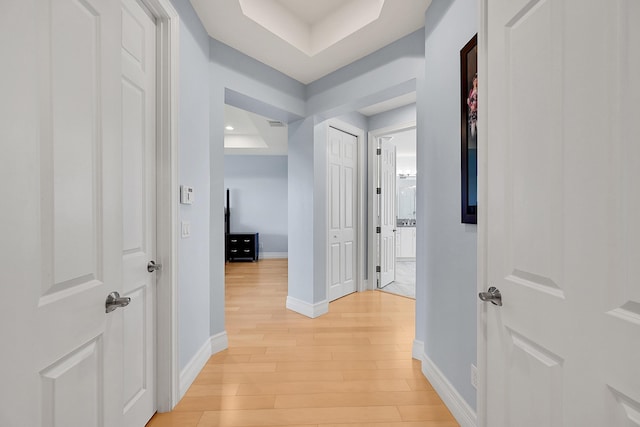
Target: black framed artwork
{"type": "Point", "coordinates": [469, 130]}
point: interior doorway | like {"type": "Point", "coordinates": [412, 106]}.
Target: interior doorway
{"type": "Point", "coordinates": [394, 216]}
{"type": "Point", "coordinates": [255, 179]}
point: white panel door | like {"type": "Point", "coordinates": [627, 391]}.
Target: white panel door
{"type": "Point", "coordinates": [562, 227]}
{"type": "Point", "coordinates": [387, 212]}
{"type": "Point", "coordinates": [342, 193]}
{"type": "Point", "coordinates": [139, 211]}
{"type": "Point", "coordinates": [61, 243]}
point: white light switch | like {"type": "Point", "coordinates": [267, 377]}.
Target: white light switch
{"type": "Point", "coordinates": [186, 229]}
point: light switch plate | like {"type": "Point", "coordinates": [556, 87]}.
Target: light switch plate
{"type": "Point", "coordinates": [186, 229]}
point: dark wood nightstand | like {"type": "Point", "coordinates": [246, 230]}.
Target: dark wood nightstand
{"type": "Point", "coordinates": [243, 246]}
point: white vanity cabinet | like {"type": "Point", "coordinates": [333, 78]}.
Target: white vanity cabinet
{"type": "Point", "coordinates": [406, 242]}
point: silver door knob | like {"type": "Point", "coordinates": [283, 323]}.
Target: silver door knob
{"type": "Point", "coordinates": [152, 266]}
{"type": "Point", "coordinates": [114, 300]}
{"type": "Point", "coordinates": [492, 295]}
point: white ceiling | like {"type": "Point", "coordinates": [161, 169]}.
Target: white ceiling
{"type": "Point", "coordinates": [308, 39]}
{"type": "Point", "coordinates": [252, 134]}
{"type": "Point", "coordinates": [304, 39]}
{"type": "Point", "coordinates": [311, 11]}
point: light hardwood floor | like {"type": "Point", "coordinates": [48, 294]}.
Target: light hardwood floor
{"type": "Point", "coordinates": [349, 368]}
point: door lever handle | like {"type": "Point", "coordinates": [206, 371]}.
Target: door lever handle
{"type": "Point", "coordinates": [152, 266]}
{"type": "Point", "coordinates": [492, 295]}
{"type": "Point", "coordinates": [114, 300]}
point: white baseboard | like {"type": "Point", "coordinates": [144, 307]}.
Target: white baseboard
{"type": "Point", "coordinates": [417, 351]}
{"type": "Point", "coordinates": [213, 345]}
{"type": "Point", "coordinates": [460, 409]}
{"type": "Point", "coordinates": [274, 255]}
{"type": "Point", "coordinates": [219, 342]}
{"type": "Point", "coordinates": [306, 309]}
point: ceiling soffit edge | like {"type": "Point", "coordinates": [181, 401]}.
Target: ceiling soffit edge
{"type": "Point", "coordinates": [312, 38]}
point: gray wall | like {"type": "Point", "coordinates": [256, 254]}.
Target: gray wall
{"type": "Point", "coordinates": [386, 73]}
{"type": "Point", "coordinates": [446, 275]}
{"type": "Point", "coordinates": [193, 123]}
{"type": "Point", "coordinates": [301, 210]}
{"type": "Point", "coordinates": [258, 198]}
{"type": "Point", "coordinates": [394, 117]}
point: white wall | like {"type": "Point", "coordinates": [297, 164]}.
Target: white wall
{"type": "Point", "coordinates": [446, 303]}
{"type": "Point", "coordinates": [258, 198]}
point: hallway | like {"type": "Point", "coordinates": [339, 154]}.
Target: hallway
{"type": "Point", "coordinates": [349, 368]}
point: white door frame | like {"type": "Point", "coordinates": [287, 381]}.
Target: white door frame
{"type": "Point", "coordinates": [481, 278]}
{"type": "Point", "coordinates": [361, 213]}
{"type": "Point", "coordinates": [167, 372]}
{"type": "Point", "coordinates": [373, 207]}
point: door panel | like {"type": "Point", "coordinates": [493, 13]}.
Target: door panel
{"type": "Point", "coordinates": [71, 152]}
{"type": "Point", "coordinates": [387, 209]}
{"type": "Point", "coordinates": [622, 307]}
{"type": "Point", "coordinates": [334, 197]}
{"type": "Point", "coordinates": [342, 186]}
{"type": "Point", "coordinates": [562, 244]}
{"type": "Point", "coordinates": [139, 210]}
{"type": "Point", "coordinates": [61, 242]}
{"type": "Point", "coordinates": [72, 388]}
{"type": "Point", "coordinates": [349, 197]}
{"type": "Point", "coordinates": [77, 237]}
{"type": "Point", "coordinates": [71, 183]}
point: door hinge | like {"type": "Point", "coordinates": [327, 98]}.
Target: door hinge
{"type": "Point", "coordinates": [378, 190]}
{"type": "Point", "coordinates": [378, 151]}
{"type": "Point", "coordinates": [377, 269]}
{"type": "Point", "coordinates": [378, 230]}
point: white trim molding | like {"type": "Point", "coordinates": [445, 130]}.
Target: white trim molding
{"type": "Point", "coordinates": [306, 309]}
{"type": "Point", "coordinates": [361, 210]}
{"type": "Point", "coordinates": [213, 345]}
{"type": "Point", "coordinates": [460, 409]}
{"type": "Point", "coordinates": [372, 210]}
{"type": "Point", "coordinates": [219, 342]}
{"type": "Point", "coordinates": [483, 200]}
{"type": "Point", "coordinates": [417, 350]}
{"type": "Point", "coordinates": [168, 57]}
{"type": "Point", "coordinates": [274, 255]}
{"type": "Point", "coordinates": [193, 367]}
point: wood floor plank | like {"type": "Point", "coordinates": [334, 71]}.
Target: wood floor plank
{"type": "Point", "coordinates": [236, 378]}
{"type": "Point", "coordinates": [323, 387]}
{"type": "Point", "coordinates": [216, 403]}
{"type": "Point", "coordinates": [351, 367]}
{"type": "Point", "coordinates": [398, 424]}
{"type": "Point", "coordinates": [371, 398]}
{"type": "Point", "coordinates": [424, 413]}
{"type": "Point", "coordinates": [176, 418]}
{"type": "Point", "coordinates": [285, 417]}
